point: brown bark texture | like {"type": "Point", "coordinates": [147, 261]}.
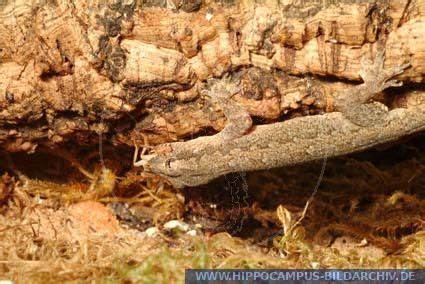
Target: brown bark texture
{"type": "Point", "coordinates": [134, 70]}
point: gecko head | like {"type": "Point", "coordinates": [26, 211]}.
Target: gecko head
{"type": "Point", "coordinates": [178, 172]}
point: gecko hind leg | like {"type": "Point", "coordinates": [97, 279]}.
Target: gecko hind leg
{"type": "Point", "coordinates": [355, 103]}
{"type": "Point", "coordinates": [238, 119]}
{"type": "Point", "coordinates": [376, 78]}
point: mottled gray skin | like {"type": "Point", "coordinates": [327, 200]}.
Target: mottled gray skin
{"type": "Point", "coordinates": [242, 147]}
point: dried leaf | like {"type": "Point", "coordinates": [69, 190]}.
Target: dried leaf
{"type": "Point", "coordinates": [285, 217]}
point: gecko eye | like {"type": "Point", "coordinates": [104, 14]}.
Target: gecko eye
{"type": "Point", "coordinates": [168, 163]}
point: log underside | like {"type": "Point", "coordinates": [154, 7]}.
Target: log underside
{"type": "Point", "coordinates": [134, 71]}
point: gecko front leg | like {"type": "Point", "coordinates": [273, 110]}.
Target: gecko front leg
{"type": "Point", "coordinates": [238, 119]}
{"type": "Point", "coordinates": [182, 162]}
{"type": "Point", "coordinates": [355, 103]}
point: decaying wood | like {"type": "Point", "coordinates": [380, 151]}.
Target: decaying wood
{"type": "Point", "coordinates": [72, 69]}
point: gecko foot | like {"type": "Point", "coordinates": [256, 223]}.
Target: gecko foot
{"type": "Point", "coordinates": [223, 88]}
{"type": "Point", "coordinates": [376, 78]}
{"type": "Point", "coordinates": [144, 159]}
{"type": "Point", "coordinates": [355, 103]}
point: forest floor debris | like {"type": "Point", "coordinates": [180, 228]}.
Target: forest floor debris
{"type": "Point", "coordinates": [368, 212]}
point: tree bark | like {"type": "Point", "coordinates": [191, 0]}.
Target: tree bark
{"type": "Point", "coordinates": [134, 70]}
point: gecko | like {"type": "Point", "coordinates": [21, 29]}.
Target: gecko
{"type": "Point", "coordinates": [358, 123]}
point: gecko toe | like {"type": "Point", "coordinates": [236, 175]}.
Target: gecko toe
{"type": "Point", "coordinates": [396, 71]}
{"type": "Point", "coordinates": [393, 83]}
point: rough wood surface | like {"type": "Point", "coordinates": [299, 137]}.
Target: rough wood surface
{"type": "Point", "coordinates": [70, 70]}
